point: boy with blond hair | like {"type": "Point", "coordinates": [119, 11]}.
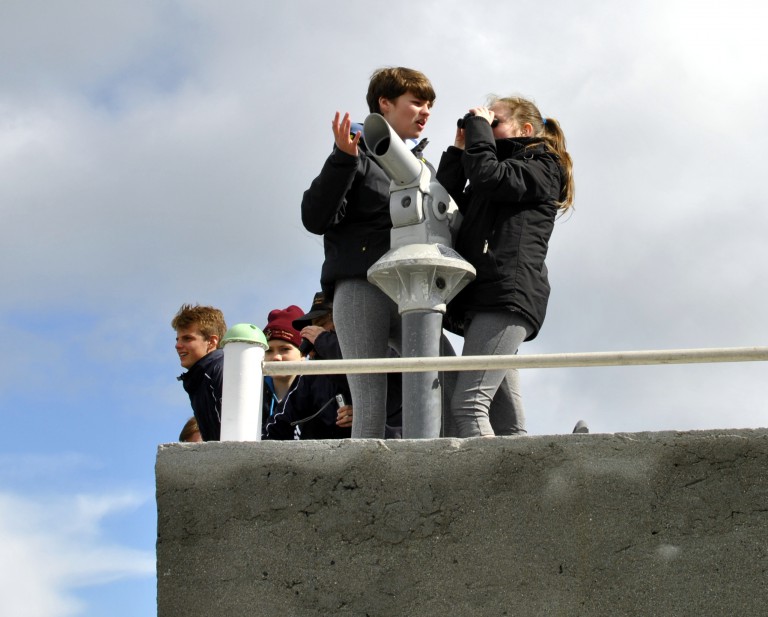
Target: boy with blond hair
{"type": "Point", "coordinates": [199, 330]}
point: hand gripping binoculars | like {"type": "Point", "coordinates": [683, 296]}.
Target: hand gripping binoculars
{"type": "Point", "coordinates": [460, 122]}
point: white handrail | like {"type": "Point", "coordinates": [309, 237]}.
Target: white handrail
{"type": "Point", "coordinates": [562, 360]}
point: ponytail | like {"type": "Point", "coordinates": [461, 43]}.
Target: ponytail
{"type": "Point", "coordinates": [554, 138]}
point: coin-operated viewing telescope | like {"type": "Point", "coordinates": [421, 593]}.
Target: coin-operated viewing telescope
{"type": "Point", "coordinates": [420, 272]}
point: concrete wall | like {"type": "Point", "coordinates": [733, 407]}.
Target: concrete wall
{"type": "Point", "coordinates": [617, 525]}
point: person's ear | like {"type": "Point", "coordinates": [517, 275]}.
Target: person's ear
{"type": "Point", "coordinates": [384, 104]}
{"type": "Point", "coordinates": [527, 129]}
{"type": "Point", "coordinates": [213, 341]}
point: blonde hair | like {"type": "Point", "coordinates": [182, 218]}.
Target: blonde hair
{"type": "Point", "coordinates": [210, 320]}
{"type": "Point", "coordinates": [548, 131]}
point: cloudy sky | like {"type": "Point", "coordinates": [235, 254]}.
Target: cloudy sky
{"type": "Point", "coordinates": [154, 152]}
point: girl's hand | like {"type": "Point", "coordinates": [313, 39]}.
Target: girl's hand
{"type": "Point", "coordinates": [483, 112]}
{"type": "Point", "coordinates": [344, 141]}
{"type": "Point", "coordinates": [459, 142]}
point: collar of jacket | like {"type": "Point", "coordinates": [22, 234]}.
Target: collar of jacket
{"type": "Point", "coordinates": [514, 145]}
{"type": "Point", "coordinates": [197, 370]}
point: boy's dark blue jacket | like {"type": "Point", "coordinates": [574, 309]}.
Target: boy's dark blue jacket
{"type": "Point", "coordinates": [203, 383]}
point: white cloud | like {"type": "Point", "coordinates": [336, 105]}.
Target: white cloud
{"type": "Point", "coordinates": [192, 193]}
{"type": "Point", "coordinates": [91, 48]}
{"type": "Point", "coordinates": [52, 546]}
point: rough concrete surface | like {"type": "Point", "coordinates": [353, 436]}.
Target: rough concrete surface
{"type": "Point", "coordinates": [639, 524]}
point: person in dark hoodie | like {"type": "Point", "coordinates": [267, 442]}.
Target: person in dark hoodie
{"type": "Point", "coordinates": [348, 204]}
{"type": "Point", "coordinates": [520, 176]}
{"type": "Point", "coordinates": [199, 330]}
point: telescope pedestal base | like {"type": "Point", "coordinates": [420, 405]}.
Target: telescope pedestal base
{"type": "Point", "coordinates": [422, 391]}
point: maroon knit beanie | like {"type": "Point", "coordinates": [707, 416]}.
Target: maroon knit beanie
{"type": "Point", "coordinates": [280, 325]}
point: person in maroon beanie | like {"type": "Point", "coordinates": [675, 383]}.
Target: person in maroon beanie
{"type": "Point", "coordinates": [284, 342]}
{"type": "Point", "coordinates": [296, 406]}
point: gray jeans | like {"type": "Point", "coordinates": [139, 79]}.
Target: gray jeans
{"type": "Point", "coordinates": [367, 323]}
{"type": "Point", "coordinates": [488, 402]}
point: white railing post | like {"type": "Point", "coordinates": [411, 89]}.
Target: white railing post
{"type": "Point", "coordinates": [244, 346]}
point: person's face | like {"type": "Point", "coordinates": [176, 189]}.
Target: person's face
{"type": "Point", "coordinates": [191, 345]}
{"type": "Point", "coordinates": [508, 127]}
{"type": "Point", "coordinates": [407, 114]}
{"type": "Point", "coordinates": [281, 351]}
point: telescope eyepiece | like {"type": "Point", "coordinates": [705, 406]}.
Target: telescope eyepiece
{"type": "Point", "coordinates": [460, 122]}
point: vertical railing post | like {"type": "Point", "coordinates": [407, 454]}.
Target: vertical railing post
{"type": "Point", "coordinates": [244, 346]}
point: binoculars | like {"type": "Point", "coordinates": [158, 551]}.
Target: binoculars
{"type": "Point", "coordinates": [460, 122]}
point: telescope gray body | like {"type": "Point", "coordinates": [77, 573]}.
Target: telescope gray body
{"type": "Point", "coordinates": [422, 211]}
{"type": "Point", "coordinates": [421, 271]}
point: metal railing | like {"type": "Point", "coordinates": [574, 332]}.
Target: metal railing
{"type": "Point", "coordinates": [560, 360]}
{"type": "Point", "coordinates": [244, 366]}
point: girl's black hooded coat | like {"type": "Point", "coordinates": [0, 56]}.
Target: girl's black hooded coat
{"type": "Point", "coordinates": [509, 209]}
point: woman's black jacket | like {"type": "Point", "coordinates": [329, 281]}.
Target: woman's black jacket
{"type": "Point", "coordinates": [509, 210]}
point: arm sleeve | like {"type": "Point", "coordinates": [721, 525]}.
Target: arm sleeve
{"type": "Point", "coordinates": [450, 173]}
{"type": "Point", "coordinates": [210, 423]}
{"type": "Point", "coordinates": [525, 179]}
{"type": "Point", "coordinates": [327, 346]}
{"type": "Point", "coordinates": [324, 202]}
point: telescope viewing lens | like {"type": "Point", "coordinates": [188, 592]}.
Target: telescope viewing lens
{"type": "Point", "coordinates": [382, 147]}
